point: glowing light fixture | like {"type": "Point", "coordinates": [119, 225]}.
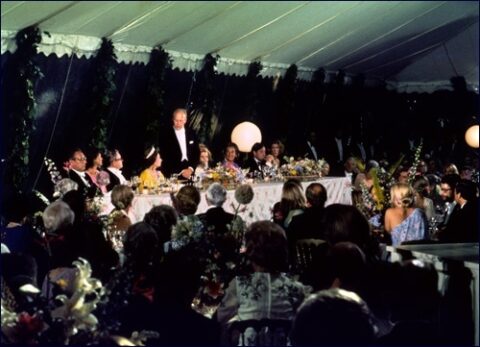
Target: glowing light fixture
{"type": "Point", "coordinates": [245, 135]}
{"type": "Point", "coordinates": [471, 136]}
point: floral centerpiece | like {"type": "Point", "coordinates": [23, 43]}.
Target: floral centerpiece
{"type": "Point", "coordinates": [303, 169]}
{"type": "Point", "coordinates": [228, 177]}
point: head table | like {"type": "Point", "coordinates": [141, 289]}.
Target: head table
{"type": "Point", "coordinates": [266, 195]}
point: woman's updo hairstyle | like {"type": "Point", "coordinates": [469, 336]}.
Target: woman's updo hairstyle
{"type": "Point", "coordinates": [405, 192]}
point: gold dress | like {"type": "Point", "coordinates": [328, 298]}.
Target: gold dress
{"type": "Point", "coordinates": [149, 179]}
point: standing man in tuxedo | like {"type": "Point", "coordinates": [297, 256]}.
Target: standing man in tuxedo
{"type": "Point", "coordinates": [256, 162]}
{"type": "Point", "coordinates": [77, 163]}
{"type": "Point", "coordinates": [179, 147]}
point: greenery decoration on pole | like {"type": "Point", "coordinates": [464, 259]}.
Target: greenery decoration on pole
{"type": "Point", "coordinates": [205, 102]}
{"type": "Point", "coordinates": [157, 67]}
{"type": "Point", "coordinates": [103, 90]}
{"type": "Point", "coordinates": [25, 73]}
{"type": "Point", "coordinates": [251, 101]}
{"type": "Point", "coordinates": [286, 100]}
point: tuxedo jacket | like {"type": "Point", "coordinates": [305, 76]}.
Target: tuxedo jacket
{"type": "Point", "coordinates": [252, 166]}
{"type": "Point", "coordinates": [172, 154]}
{"type": "Point", "coordinates": [114, 180]}
{"type": "Point", "coordinates": [462, 226]}
{"type": "Point", "coordinates": [88, 190]}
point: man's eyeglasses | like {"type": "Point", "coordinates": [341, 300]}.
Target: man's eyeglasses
{"type": "Point", "coordinates": [117, 159]}
{"type": "Point", "coordinates": [80, 159]}
{"type": "Point", "coordinates": [445, 189]}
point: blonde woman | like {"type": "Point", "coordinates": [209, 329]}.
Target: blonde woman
{"type": "Point", "coordinates": [403, 221]}
{"type": "Point", "coordinates": [204, 160]}
{"type": "Point", "coordinates": [293, 200]}
{"type": "Point", "coordinates": [151, 176]}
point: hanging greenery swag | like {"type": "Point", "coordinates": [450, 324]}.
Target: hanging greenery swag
{"type": "Point", "coordinates": [203, 116]}
{"type": "Point", "coordinates": [25, 73]}
{"type": "Point", "coordinates": [103, 90]}
{"type": "Point", "coordinates": [160, 62]}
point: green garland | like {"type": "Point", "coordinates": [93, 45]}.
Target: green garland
{"type": "Point", "coordinates": [26, 73]}
{"type": "Point", "coordinates": [286, 100]}
{"type": "Point", "coordinates": [103, 90]}
{"type": "Point", "coordinates": [206, 99]}
{"type": "Point", "coordinates": [251, 100]}
{"type": "Point", "coordinates": [157, 67]}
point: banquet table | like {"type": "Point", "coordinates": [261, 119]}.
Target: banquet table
{"type": "Point", "coordinates": [266, 195]}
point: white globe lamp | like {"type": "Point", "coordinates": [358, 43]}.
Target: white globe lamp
{"type": "Point", "coordinates": [471, 136]}
{"type": "Point", "coordinates": [245, 135]}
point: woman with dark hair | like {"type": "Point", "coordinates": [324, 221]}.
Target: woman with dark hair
{"type": "Point", "coordinates": [267, 292]}
{"type": "Point", "coordinates": [231, 153]}
{"type": "Point", "coordinates": [345, 223]}
{"type": "Point", "coordinates": [93, 169]}
{"type": "Point", "coordinates": [151, 176]}
{"type": "Point", "coordinates": [421, 186]}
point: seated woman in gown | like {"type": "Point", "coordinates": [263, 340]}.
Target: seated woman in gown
{"type": "Point", "coordinates": [151, 176]}
{"type": "Point", "coordinates": [204, 161]}
{"type": "Point", "coordinates": [403, 221]}
{"type": "Point", "coordinates": [230, 157]}
{"type": "Point", "coordinates": [267, 292]}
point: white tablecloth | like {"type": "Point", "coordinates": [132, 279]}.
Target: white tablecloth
{"type": "Point", "coordinates": [266, 195]}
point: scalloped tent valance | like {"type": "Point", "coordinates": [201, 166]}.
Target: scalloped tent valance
{"type": "Point", "coordinates": [412, 46]}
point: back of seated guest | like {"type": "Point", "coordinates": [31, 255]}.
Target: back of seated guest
{"type": "Point", "coordinates": [267, 292]}
{"type": "Point", "coordinates": [333, 317]}
{"type": "Point", "coordinates": [346, 223]}
{"type": "Point", "coordinates": [292, 201]}
{"type": "Point", "coordinates": [186, 201]}
{"type": "Point", "coordinates": [162, 218]}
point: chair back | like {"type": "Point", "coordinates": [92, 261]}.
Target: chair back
{"type": "Point", "coordinates": [264, 332]}
{"type": "Point", "coordinates": [306, 251]}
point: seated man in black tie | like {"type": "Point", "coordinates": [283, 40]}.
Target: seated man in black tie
{"type": "Point", "coordinates": [77, 163]}
{"type": "Point", "coordinates": [179, 147]}
{"type": "Point", "coordinates": [114, 169]}
{"type": "Point", "coordinates": [256, 162]}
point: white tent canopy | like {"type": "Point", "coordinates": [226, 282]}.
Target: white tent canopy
{"type": "Point", "coordinates": [414, 45]}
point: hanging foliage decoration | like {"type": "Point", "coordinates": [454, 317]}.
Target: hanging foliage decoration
{"type": "Point", "coordinates": [160, 62]}
{"type": "Point", "coordinates": [25, 73]}
{"type": "Point", "coordinates": [286, 100]}
{"type": "Point", "coordinates": [251, 102]}
{"type": "Point", "coordinates": [103, 90]}
{"type": "Point", "coordinates": [203, 117]}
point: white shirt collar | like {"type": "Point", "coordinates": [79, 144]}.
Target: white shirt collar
{"type": "Point", "coordinates": [182, 141]}
{"type": "Point", "coordinates": [118, 173]}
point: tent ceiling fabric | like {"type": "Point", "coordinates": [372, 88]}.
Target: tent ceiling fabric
{"type": "Point", "coordinates": [413, 43]}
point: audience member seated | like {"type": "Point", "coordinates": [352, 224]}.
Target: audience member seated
{"type": "Point", "coordinates": [422, 191]}
{"type": "Point", "coordinates": [462, 226]}
{"type": "Point", "coordinates": [366, 178]}
{"type": "Point", "coordinates": [447, 190]}
{"type": "Point", "coordinates": [267, 292]}
{"type": "Point", "coordinates": [93, 167]}
{"type": "Point", "coordinates": [76, 172]}
{"type": "Point", "coordinates": [413, 300]}
{"type": "Point", "coordinates": [333, 317]}
{"type": "Point", "coordinates": [308, 224]}
{"type": "Point", "coordinates": [345, 223]}
{"type": "Point", "coordinates": [204, 161]}
{"type": "Point", "coordinates": [171, 314]}
{"type": "Point", "coordinates": [292, 201]}
{"type": "Point", "coordinates": [451, 169]}
{"type": "Point", "coordinates": [162, 218]}
{"type": "Point", "coordinates": [143, 253]}
{"type": "Point", "coordinates": [114, 169]}
{"type": "Point", "coordinates": [348, 264]}
{"type": "Point", "coordinates": [256, 161]}
{"type": "Point", "coordinates": [120, 220]}
{"type": "Point", "coordinates": [403, 221]}
{"type": "Point", "coordinates": [151, 176]}
{"type": "Point", "coordinates": [325, 169]}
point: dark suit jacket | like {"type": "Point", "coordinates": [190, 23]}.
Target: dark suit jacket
{"type": "Point", "coordinates": [216, 220]}
{"type": "Point", "coordinates": [114, 180]}
{"type": "Point", "coordinates": [172, 154]}
{"type": "Point", "coordinates": [462, 225]}
{"type": "Point", "coordinates": [252, 166]}
{"type": "Point", "coordinates": [89, 190]}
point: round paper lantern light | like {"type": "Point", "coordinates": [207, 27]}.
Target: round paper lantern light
{"type": "Point", "coordinates": [471, 136]}
{"type": "Point", "coordinates": [245, 135]}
